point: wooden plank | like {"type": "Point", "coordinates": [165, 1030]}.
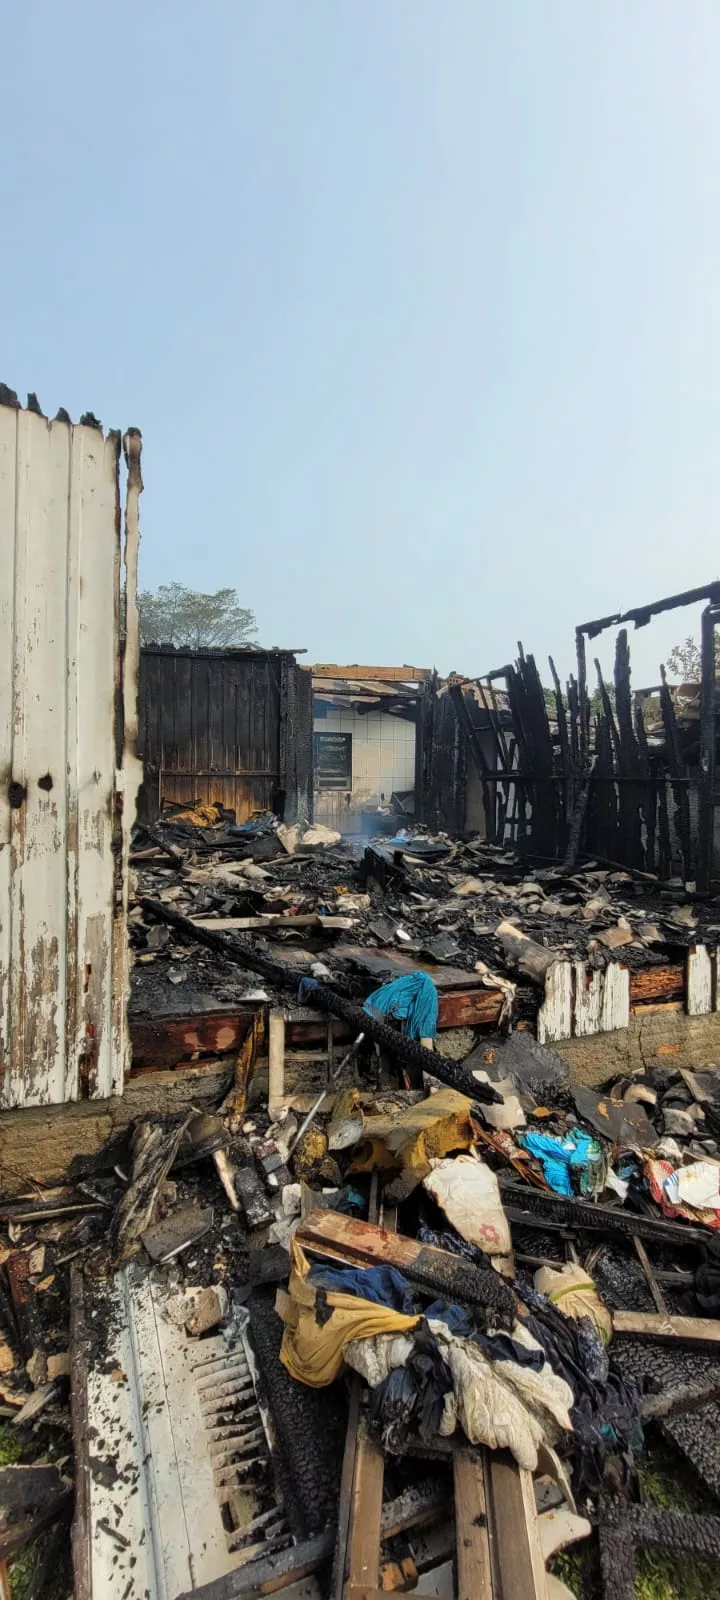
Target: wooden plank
{"type": "Point", "coordinates": [271, 919]}
{"type": "Point", "coordinates": [662, 1005]}
{"type": "Point", "coordinates": [676, 1330]}
{"type": "Point", "coordinates": [615, 1011]}
{"type": "Point", "coordinates": [366, 674]}
{"type": "Point", "coordinates": [469, 1008]}
{"type": "Point", "coordinates": [652, 1282]}
{"type": "Point", "coordinates": [381, 965]}
{"type": "Point", "coordinates": [82, 1520]}
{"type": "Point", "coordinates": [363, 1557]}
{"type": "Point", "coordinates": [345, 1496]}
{"type": "Point", "coordinates": [555, 1014]}
{"type": "Point", "coordinates": [588, 999]}
{"type": "Point", "coordinates": [474, 1564]}
{"type": "Point", "coordinates": [657, 983]}
{"type": "Point", "coordinates": [330, 1235]}
{"type": "Point", "coordinates": [518, 1565]}
{"type": "Point", "coordinates": [699, 981]}
{"type": "Point", "coordinates": [164, 1041]}
{"type": "Point", "coordinates": [276, 1062]}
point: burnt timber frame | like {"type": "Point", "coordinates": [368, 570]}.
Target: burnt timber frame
{"type": "Point", "coordinates": [596, 786]}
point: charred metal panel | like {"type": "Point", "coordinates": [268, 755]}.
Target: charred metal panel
{"type": "Point", "coordinates": [233, 726]}
{"type": "Point", "coordinates": [67, 787]}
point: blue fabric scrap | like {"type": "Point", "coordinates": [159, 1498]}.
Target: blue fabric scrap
{"type": "Point", "coordinates": [412, 999]}
{"type": "Point", "coordinates": [385, 1286]}
{"type": "Point", "coordinates": [559, 1156]}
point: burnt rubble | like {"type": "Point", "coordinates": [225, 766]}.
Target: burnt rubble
{"type": "Point", "coordinates": [529, 1247]}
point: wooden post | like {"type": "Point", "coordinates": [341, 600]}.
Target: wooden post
{"type": "Point", "coordinates": [363, 1545]}
{"type": "Point", "coordinates": [474, 1563]}
{"type": "Point", "coordinates": [515, 1538]}
{"type": "Point", "coordinates": [708, 724]}
{"type": "Point", "coordinates": [276, 1063]}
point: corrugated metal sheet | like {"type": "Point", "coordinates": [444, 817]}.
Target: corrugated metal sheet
{"type": "Point", "coordinates": [233, 726]}
{"type": "Point", "coordinates": [68, 774]}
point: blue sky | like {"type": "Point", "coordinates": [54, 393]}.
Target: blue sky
{"type": "Point", "coordinates": [416, 303]}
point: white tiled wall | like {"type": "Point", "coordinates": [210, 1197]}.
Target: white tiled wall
{"type": "Point", "coordinates": [383, 760]}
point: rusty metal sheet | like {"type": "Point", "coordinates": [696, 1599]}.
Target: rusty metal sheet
{"type": "Point", "coordinates": [68, 773]}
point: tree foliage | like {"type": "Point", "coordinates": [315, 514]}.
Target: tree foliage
{"type": "Point", "coordinates": [182, 617]}
{"type": "Point", "coordinates": [685, 660]}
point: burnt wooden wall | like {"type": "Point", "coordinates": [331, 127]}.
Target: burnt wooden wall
{"type": "Point", "coordinates": [230, 726]}
{"type": "Point", "coordinates": [574, 771]}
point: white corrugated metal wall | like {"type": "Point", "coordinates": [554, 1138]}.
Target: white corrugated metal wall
{"type": "Point", "coordinates": [68, 773]}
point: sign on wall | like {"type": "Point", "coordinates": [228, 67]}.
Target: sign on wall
{"type": "Point", "coordinates": [333, 760]}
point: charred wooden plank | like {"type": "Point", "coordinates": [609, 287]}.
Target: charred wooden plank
{"type": "Point", "coordinates": [164, 1041]}
{"type": "Point", "coordinates": [27, 1316]}
{"type": "Point", "coordinates": [330, 1235]}
{"type": "Point", "coordinates": [457, 696]}
{"type": "Point", "coordinates": [31, 1498]}
{"type": "Point", "coordinates": [708, 741]}
{"type": "Point", "coordinates": [632, 794]}
{"type": "Point", "coordinates": [678, 774]}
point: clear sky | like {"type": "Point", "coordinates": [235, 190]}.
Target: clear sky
{"type": "Point", "coordinates": [417, 302]}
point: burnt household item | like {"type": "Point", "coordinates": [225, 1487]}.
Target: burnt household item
{"type": "Point", "coordinates": [173, 1446]}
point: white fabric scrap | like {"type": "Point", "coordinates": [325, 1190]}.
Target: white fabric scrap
{"type": "Point", "coordinates": [469, 1194]}
{"type": "Point", "coordinates": [496, 980]}
{"type": "Point", "coordinates": [376, 1358]}
{"type": "Point", "coordinates": [497, 1403]}
{"type": "Point", "coordinates": [699, 1185]}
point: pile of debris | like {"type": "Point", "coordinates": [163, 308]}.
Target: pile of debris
{"type": "Point", "coordinates": [405, 1329]}
{"type": "Point", "coordinates": [432, 898]}
{"type": "Point", "coordinates": [390, 1337]}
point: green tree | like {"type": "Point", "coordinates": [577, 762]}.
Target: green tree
{"type": "Point", "coordinates": [684, 661]}
{"type": "Point", "coordinates": [182, 617]}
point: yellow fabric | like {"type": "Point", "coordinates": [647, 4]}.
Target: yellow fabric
{"type": "Point", "coordinates": [574, 1293]}
{"type": "Point", "coordinates": [436, 1126]}
{"type": "Point", "coordinates": [202, 816]}
{"type": "Point", "coordinates": [313, 1352]}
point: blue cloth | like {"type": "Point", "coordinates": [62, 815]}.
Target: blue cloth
{"type": "Point", "coordinates": [350, 1202]}
{"type": "Point", "coordinates": [385, 1286]}
{"type": "Point", "coordinates": [559, 1156]}
{"type": "Point", "coordinates": [454, 1318]}
{"type": "Point", "coordinates": [412, 999]}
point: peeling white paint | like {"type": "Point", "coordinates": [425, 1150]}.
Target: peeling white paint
{"type": "Point", "coordinates": [615, 1012]}
{"type": "Point", "coordinates": [699, 981]}
{"type": "Point", "coordinates": [589, 988]}
{"type": "Point", "coordinates": [580, 1001]}
{"type": "Point", "coordinates": [63, 887]}
{"type": "Point", "coordinates": [555, 1014]}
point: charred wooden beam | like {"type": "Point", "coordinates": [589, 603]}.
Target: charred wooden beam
{"type": "Point", "coordinates": [457, 696]}
{"type": "Point", "coordinates": [322, 998]}
{"type": "Point", "coordinates": [708, 739]}
{"type": "Point", "coordinates": [641, 615]}
{"type": "Point", "coordinates": [678, 774]}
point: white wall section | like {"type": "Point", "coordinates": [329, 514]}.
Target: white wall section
{"type": "Point", "coordinates": [67, 780]}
